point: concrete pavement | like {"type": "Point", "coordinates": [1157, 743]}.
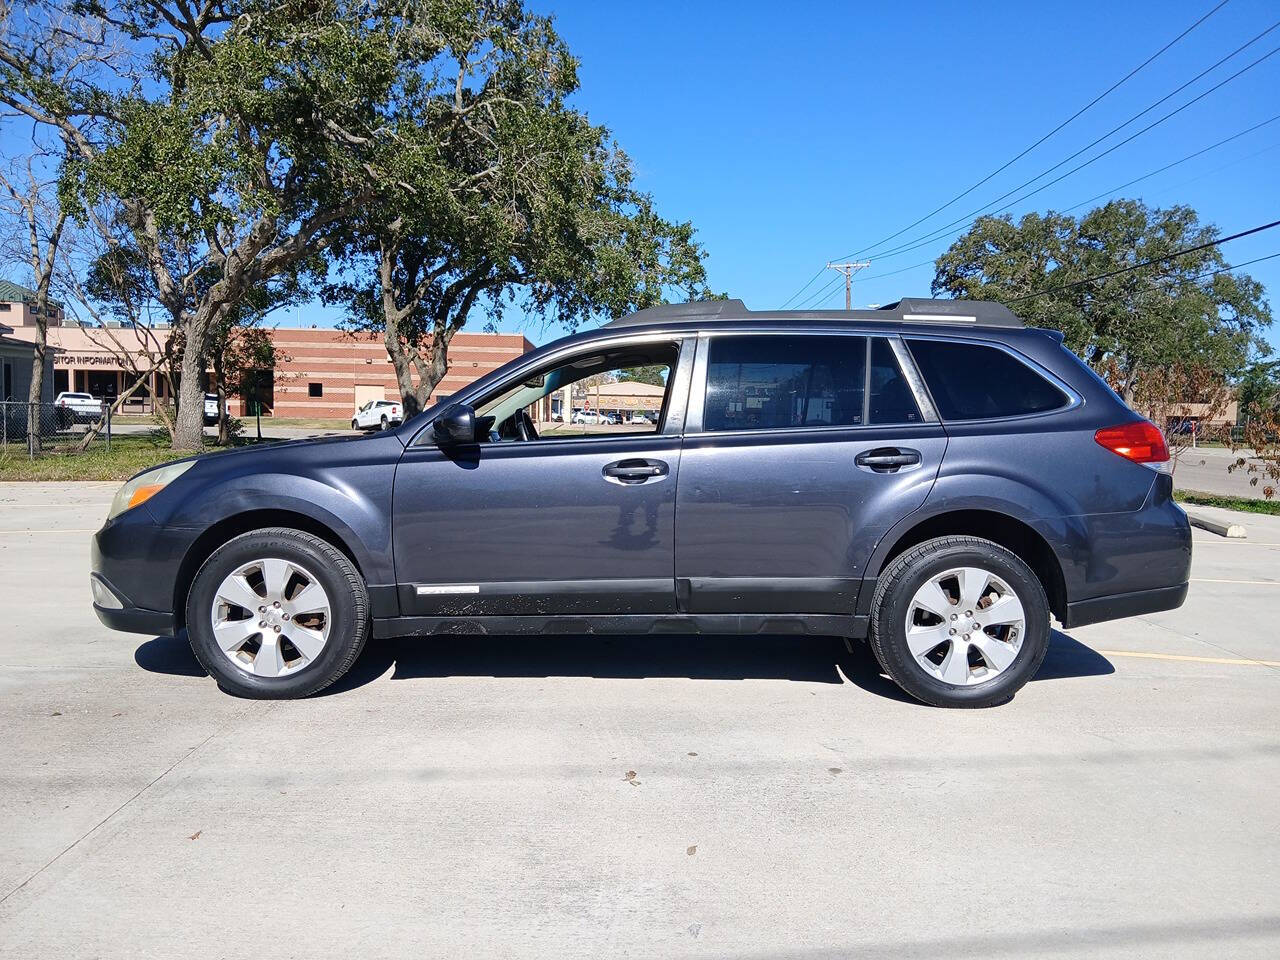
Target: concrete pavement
{"type": "Point", "coordinates": [657, 797]}
{"type": "Point", "coordinates": [1205, 469]}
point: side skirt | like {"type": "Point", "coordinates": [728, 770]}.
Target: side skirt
{"type": "Point", "coordinates": [815, 624]}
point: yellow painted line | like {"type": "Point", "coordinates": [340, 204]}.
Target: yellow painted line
{"type": "Point", "coordinates": [1266, 583]}
{"type": "Point", "coordinates": [1234, 661]}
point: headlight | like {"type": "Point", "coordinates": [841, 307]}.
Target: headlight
{"type": "Point", "coordinates": [145, 486]}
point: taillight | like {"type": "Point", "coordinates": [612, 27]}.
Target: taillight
{"type": "Point", "coordinates": [1140, 441]}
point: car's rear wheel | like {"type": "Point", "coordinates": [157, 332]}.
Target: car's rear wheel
{"type": "Point", "coordinates": [384, 421]}
{"type": "Point", "coordinates": [960, 622]}
{"type": "Point", "coordinates": [277, 614]}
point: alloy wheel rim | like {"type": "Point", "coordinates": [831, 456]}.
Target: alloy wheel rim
{"type": "Point", "coordinates": [965, 626]}
{"type": "Point", "coordinates": [271, 617]}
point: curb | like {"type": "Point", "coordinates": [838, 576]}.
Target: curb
{"type": "Point", "coordinates": [1232, 530]}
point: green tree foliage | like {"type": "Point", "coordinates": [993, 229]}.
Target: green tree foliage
{"type": "Point", "coordinates": [1178, 310]}
{"type": "Point", "coordinates": [425, 140]}
{"type": "Point", "coordinates": [654, 373]}
{"type": "Point", "coordinates": [533, 207]}
{"type": "Point", "coordinates": [1258, 391]}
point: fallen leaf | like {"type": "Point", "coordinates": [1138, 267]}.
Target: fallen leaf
{"type": "Point", "coordinates": [692, 754]}
{"type": "Point", "coordinates": [833, 770]}
{"type": "Point", "coordinates": [55, 714]}
{"type": "Point", "coordinates": [196, 835]}
{"type": "Point", "coordinates": [692, 850]}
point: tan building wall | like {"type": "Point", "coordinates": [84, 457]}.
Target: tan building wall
{"type": "Point", "coordinates": [318, 372]}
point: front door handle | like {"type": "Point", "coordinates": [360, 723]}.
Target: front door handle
{"type": "Point", "coordinates": [634, 471]}
{"type": "Point", "coordinates": [887, 459]}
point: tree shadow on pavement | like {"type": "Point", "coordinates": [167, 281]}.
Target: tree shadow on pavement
{"type": "Point", "coordinates": [712, 657]}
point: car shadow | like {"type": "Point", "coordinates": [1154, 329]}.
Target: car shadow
{"type": "Point", "coordinates": [711, 657]}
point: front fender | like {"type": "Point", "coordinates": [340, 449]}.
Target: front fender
{"type": "Point", "coordinates": [353, 499]}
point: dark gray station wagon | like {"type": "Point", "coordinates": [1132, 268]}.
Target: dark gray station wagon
{"type": "Point", "coordinates": [931, 476]}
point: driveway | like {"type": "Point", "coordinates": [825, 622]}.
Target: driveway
{"type": "Point", "coordinates": [657, 797]}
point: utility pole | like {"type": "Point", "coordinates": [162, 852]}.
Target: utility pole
{"type": "Point", "coordinates": [848, 269]}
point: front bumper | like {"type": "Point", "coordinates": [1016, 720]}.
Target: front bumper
{"type": "Point", "coordinates": [134, 564]}
{"type": "Point", "coordinates": [126, 617]}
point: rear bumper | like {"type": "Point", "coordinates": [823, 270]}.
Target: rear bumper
{"type": "Point", "coordinates": [1121, 605]}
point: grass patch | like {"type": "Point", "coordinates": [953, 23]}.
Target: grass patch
{"type": "Point", "coordinates": [128, 455]}
{"type": "Point", "coordinates": [1245, 504]}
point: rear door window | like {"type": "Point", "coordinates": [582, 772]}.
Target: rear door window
{"type": "Point", "coordinates": [776, 382]}
{"type": "Point", "coordinates": [972, 381]}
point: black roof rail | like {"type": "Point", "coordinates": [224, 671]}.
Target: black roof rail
{"type": "Point", "coordinates": [981, 313]}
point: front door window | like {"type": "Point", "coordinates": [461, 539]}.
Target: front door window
{"type": "Point", "coordinates": [618, 392]}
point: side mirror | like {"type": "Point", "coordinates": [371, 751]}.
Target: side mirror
{"type": "Point", "coordinates": [457, 424]}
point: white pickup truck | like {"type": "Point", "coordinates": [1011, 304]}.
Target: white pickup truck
{"type": "Point", "coordinates": [78, 407]}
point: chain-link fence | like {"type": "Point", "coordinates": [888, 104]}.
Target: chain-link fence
{"type": "Point", "coordinates": [62, 427]}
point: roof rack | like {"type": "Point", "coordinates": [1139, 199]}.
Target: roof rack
{"type": "Point", "coordinates": [982, 313]}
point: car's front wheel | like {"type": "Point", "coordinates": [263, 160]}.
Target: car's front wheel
{"type": "Point", "coordinates": [960, 622]}
{"type": "Point", "coordinates": [355, 424]}
{"type": "Point", "coordinates": [276, 614]}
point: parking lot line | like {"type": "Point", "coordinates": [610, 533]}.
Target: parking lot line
{"type": "Point", "coordinates": [86, 530]}
{"type": "Point", "coordinates": [1236, 661]}
{"type": "Point", "coordinates": [1265, 583]}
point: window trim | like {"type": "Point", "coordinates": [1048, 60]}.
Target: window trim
{"type": "Point", "coordinates": [1073, 398]}
{"type": "Point", "coordinates": [677, 398]}
{"type": "Point", "coordinates": [698, 393]}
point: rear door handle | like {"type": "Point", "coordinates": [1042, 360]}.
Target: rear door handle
{"type": "Point", "coordinates": [634, 471]}
{"type": "Point", "coordinates": [887, 459]}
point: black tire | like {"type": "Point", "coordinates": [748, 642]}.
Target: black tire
{"type": "Point", "coordinates": [384, 421]}
{"type": "Point", "coordinates": [349, 609]}
{"type": "Point", "coordinates": [896, 587]}
{"type": "Point", "coordinates": [355, 424]}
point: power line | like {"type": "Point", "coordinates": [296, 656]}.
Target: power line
{"type": "Point", "coordinates": [1128, 76]}
{"type": "Point", "coordinates": [1129, 183]}
{"type": "Point", "coordinates": [1064, 123]}
{"type": "Point", "coordinates": [1210, 273]}
{"type": "Point", "coordinates": [821, 295]}
{"type": "Point", "coordinates": [1170, 166]}
{"type": "Point", "coordinates": [969, 217]}
{"type": "Point", "coordinates": [1146, 263]}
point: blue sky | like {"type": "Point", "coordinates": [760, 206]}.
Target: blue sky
{"type": "Point", "coordinates": [791, 134]}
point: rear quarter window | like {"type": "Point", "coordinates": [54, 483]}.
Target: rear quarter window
{"type": "Point", "coordinates": [972, 381]}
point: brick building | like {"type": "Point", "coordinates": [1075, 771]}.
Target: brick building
{"type": "Point", "coordinates": [327, 373]}
{"type": "Point", "coordinates": [318, 373]}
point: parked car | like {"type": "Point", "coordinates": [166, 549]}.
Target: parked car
{"type": "Point", "coordinates": [211, 409]}
{"type": "Point", "coordinates": [378, 415]}
{"type": "Point", "coordinates": [586, 416]}
{"type": "Point", "coordinates": [638, 417]}
{"type": "Point", "coordinates": [77, 407]}
{"type": "Point", "coordinates": [931, 476]}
